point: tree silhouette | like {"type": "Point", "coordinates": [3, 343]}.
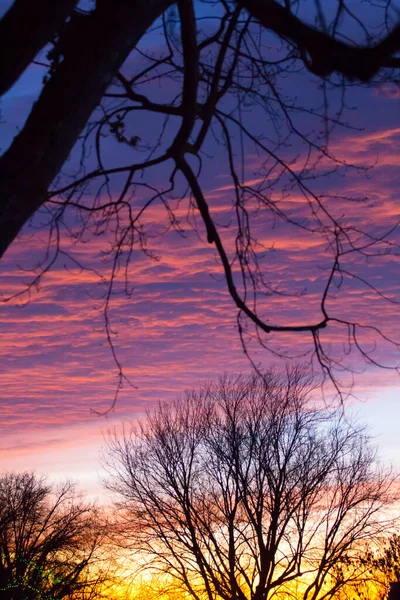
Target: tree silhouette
{"type": "Point", "coordinates": [49, 542]}
{"type": "Point", "coordinates": [381, 562]}
{"type": "Point", "coordinates": [246, 489]}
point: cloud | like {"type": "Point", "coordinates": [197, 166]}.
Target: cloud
{"type": "Point", "coordinates": [388, 91]}
{"type": "Point", "coordinates": [178, 327]}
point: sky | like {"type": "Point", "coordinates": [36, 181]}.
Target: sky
{"type": "Point", "coordinates": [178, 328]}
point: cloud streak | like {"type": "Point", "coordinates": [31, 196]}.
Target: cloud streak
{"type": "Point", "coordinates": [178, 327]}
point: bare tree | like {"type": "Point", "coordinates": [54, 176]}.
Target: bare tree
{"type": "Point", "coordinates": [382, 566]}
{"type": "Point", "coordinates": [215, 67]}
{"type": "Point", "coordinates": [49, 542]}
{"type": "Point", "coordinates": [388, 559]}
{"type": "Point", "coordinates": [246, 490]}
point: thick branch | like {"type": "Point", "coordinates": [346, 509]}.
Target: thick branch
{"type": "Point", "coordinates": [90, 60]}
{"type": "Point", "coordinates": [25, 28]}
{"type": "Point", "coordinates": [190, 76]}
{"type": "Point", "coordinates": [325, 54]}
{"type": "Point", "coordinates": [213, 237]}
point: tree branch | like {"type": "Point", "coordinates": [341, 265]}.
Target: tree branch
{"type": "Point", "coordinates": [326, 54]}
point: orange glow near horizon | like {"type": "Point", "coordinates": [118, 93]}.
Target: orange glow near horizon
{"type": "Point", "coordinates": [155, 585]}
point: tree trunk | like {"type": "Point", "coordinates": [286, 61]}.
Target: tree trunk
{"type": "Point", "coordinates": [25, 28]}
{"type": "Point", "coordinates": [91, 57]}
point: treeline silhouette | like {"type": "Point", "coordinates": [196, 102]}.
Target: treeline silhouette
{"type": "Point", "coordinates": [50, 541]}
{"type": "Point", "coordinates": [247, 489]}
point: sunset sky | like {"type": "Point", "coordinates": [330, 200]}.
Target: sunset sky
{"type": "Point", "coordinates": [178, 328]}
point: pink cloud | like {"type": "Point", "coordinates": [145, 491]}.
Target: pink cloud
{"type": "Point", "coordinates": [178, 328]}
